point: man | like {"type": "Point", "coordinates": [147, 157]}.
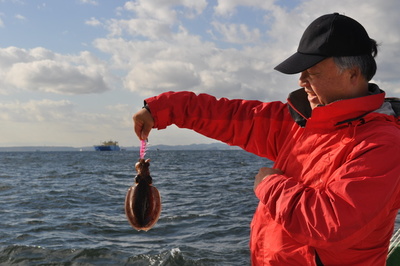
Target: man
{"type": "Point", "coordinates": [334, 191]}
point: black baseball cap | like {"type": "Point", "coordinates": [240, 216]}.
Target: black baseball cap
{"type": "Point", "coordinates": [327, 36]}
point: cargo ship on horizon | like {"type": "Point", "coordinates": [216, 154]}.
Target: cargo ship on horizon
{"type": "Point", "coordinates": [108, 146]}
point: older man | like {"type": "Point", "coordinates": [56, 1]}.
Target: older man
{"type": "Point", "coordinates": [334, 191]}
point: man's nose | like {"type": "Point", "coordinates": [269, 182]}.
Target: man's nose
{"type": "Point", "coordinates": [303, 82]}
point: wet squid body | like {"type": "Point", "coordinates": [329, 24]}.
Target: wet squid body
{"type": "Point", "coordinates": [143, 201]}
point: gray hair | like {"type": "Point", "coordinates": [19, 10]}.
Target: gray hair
{"type": "Point", "coordinates": [366, 63]}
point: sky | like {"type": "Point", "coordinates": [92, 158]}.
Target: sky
{"type": "Point", "coordinates": [73, 72]}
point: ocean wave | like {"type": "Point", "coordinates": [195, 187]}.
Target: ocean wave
{"type": "Point", "coordinates": [67, 208]}
{"type": "Point", "coordinates": [36, 255]}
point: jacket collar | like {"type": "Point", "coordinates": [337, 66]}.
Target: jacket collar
{"type": "Point", "coordinates": [335, 113]}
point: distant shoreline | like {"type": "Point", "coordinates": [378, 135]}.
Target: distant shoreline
{"type": "Point", "coordinates": [212, 146]}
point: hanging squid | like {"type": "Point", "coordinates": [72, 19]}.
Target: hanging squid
{"type": "Point", "coordinates": [143, 201]}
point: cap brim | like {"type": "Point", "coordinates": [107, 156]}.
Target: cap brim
{"type": "Point", "coordinates": [298, 63]}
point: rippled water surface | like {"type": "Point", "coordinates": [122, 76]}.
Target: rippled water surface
{"type": "Point", "coordinates": [66, 208]}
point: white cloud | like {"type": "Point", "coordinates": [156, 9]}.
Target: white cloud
{"type": "Point", "coordinates": [52, 76]}
{"type": "Point", "coordinates": [165, 10]}
{"type": "Point", "coordinates": [149, 28]}
{"type": "Point", "coordinates": [159, 45]}
{"type": "Point", "coordinates": [237, 33]}
{"type": "Point", "coordinates": [156, 54]}
{"type": "Point", "coordinates": [186, 62]}
{"type": "Point", "coordinates": [42, 70]}
{"type": "Point", "coordinates": [61, 122]}
{"type": "Point", "coordinates": [160, 76]}
{"type": "Point", "coordinates": [91, 2]}
{"type": "Point", "coordinates": [93, 22]}
{"type": "Point", "coordinates": [158, 10]}
{"type": "Point", "coordinates": [154, 19]}
{"type": "Point", "coordinates": [20, 17]}
{"type": "Point", "coordinates": [229, 7]}
{"type": "Point", "coordinates": [35, 111]}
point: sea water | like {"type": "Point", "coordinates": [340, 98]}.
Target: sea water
{"type": "Point", "coordinates": [67, 208]}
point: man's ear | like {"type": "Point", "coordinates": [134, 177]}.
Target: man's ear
{"type": "Point", "coordinates": [354, 74]}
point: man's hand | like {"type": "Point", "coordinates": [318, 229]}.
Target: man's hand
{"type": "Point", "coordinates": [263, 173]}
{"type": "Point", "coordinates": [143, 122]}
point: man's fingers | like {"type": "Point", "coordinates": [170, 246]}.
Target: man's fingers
{"type": "Point", "coordinates": [145, 131]}
{"type": "Point", "coordinates": [143, 123]}
{"type": "Point", "coordinates": [138, 129]}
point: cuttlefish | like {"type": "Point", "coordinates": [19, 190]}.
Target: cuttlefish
{"type": "Point", "coordinates": [143, 201]}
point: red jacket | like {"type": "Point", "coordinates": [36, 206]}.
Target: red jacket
{"type": "Point", "coordinates": [340, 191]}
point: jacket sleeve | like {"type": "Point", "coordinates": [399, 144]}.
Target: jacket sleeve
{"type": "Point", "coordinates": [362, 196]}
{"type": "Point", "coordinates": [251, 125]}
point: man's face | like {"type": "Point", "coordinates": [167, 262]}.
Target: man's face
{"type": "Point", "coordinates": [325, 83]}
